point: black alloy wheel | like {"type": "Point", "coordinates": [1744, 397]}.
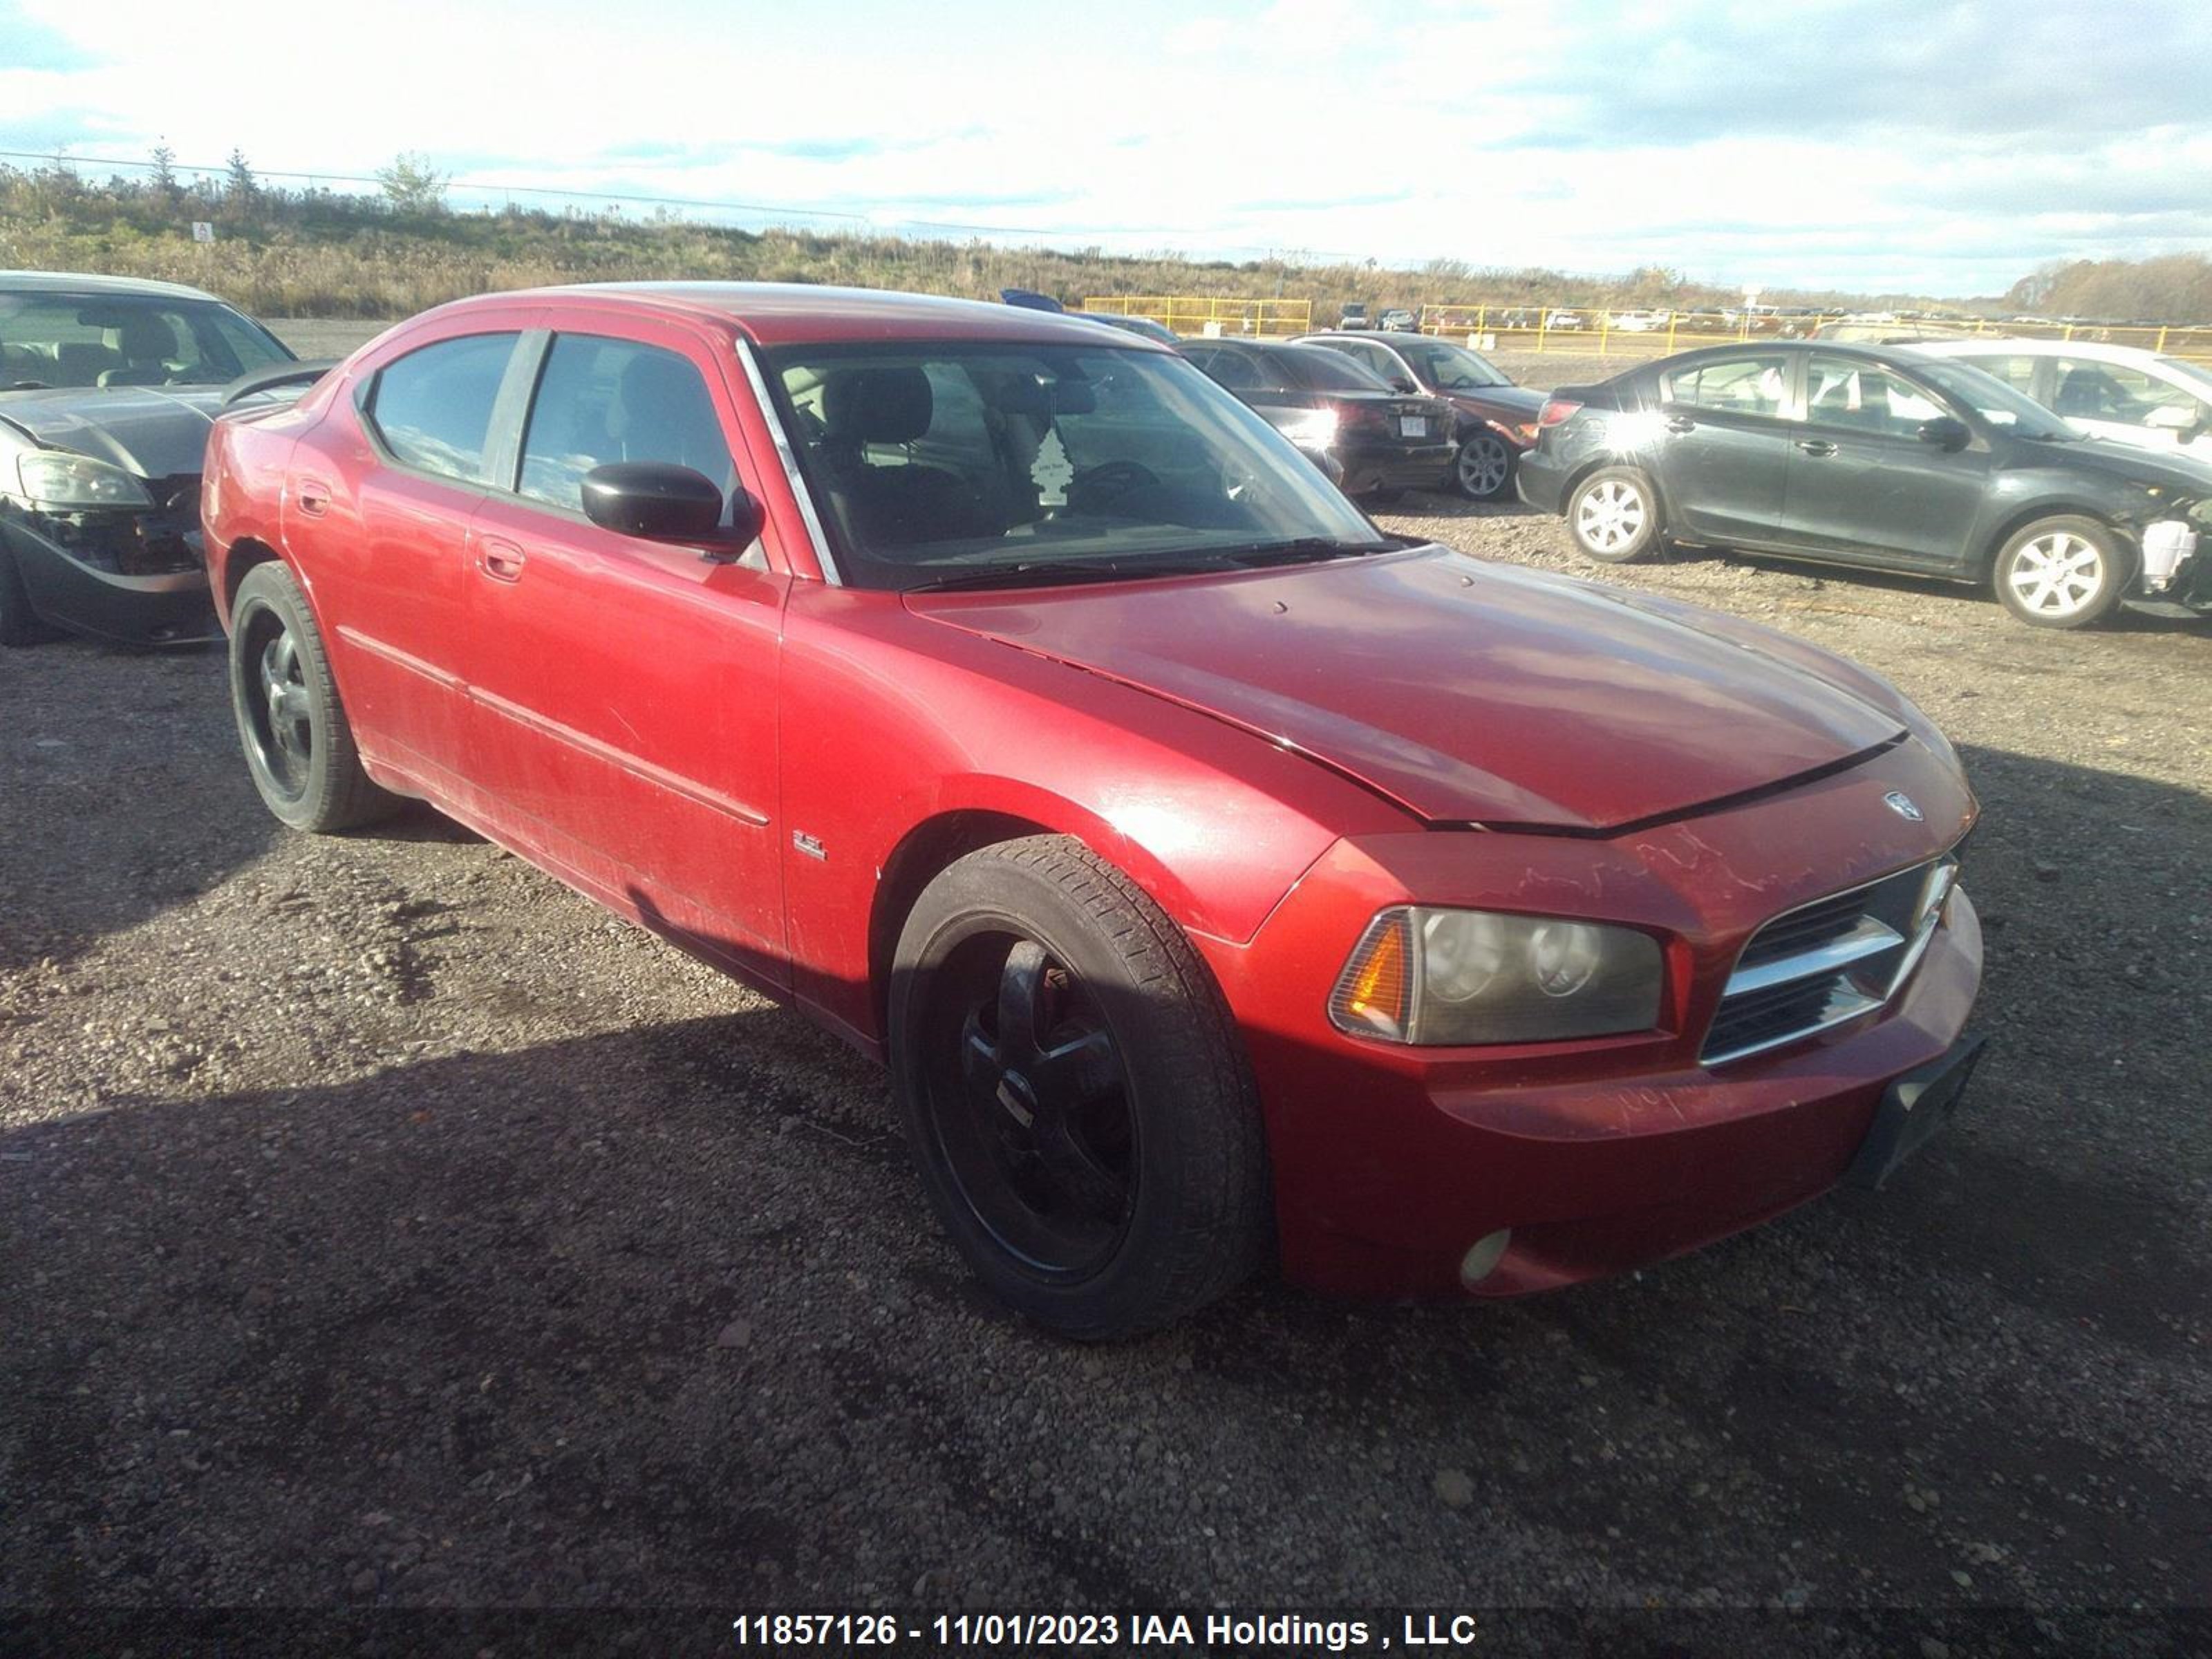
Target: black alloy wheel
{"type": "Point", "coordinates": [1034, 1119]}
{"type": "Point", "coordinates": [1076, 1092]}
{"type": "Point", "coordinates": [299, 744]}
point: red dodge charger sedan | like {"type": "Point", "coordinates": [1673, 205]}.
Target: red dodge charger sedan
{"type": "Point", "coordinates": [1223, 881]}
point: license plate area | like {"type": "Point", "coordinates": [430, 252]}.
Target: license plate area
{"type": "Point", "coordinates": [1413, 426]}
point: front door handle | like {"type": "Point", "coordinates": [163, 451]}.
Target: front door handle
{"type": "Point", "coordinates": [313, 497]}
{"type": "Point", "coordinates": [1816, 446]}
{"type": "Point", "coordinates": [1681, 423]}
{"type": "Point", "coordinates": [501, 560]}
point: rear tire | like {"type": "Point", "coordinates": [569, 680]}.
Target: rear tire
{"type": "Point", "coordinates": [299, 744]}
{"type": "Point", "coordinates": [1613, 515]}
{"type": "Point", "coordinates": [1483, 472]}
{"type": "Point", "coordinates": [2062, 572]}
{"type": "Point", "coordinates": [1075, 1093]}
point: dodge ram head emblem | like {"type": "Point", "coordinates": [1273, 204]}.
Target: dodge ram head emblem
{"type": "Point", "coordinates": [1901, 803]}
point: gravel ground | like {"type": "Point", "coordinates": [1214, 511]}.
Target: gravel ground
{"type": "Point", "coordinates": [383, 1225]}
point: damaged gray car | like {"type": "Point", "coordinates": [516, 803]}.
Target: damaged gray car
{"type": "Point", "coordinates": [108, 388]}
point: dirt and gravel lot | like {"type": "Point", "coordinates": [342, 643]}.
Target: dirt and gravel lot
{"type": "Point", "coordinates": [381, 1225]}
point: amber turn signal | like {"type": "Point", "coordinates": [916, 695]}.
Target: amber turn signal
{"type": "Point", "coordinates": [1375, 991]}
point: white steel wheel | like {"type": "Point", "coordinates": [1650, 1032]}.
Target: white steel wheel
{"type": "Point", "coordinates": [1613, 516]}
{"type": "Point", "coordinates": [1484, 467]}
{"type": "Point", "coordinates": [2061, 573]}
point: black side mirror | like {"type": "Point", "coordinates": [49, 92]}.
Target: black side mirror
{"type": "Point", "coordinates": [659, 502]}
{"type": "Point", "coordinates": [1403, 383]}
{"type": "Point", "coordinates": [1945, 432]}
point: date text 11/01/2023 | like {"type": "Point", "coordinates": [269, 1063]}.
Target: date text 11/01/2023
{"type": "Point", "coordinates": [1027, 1630]}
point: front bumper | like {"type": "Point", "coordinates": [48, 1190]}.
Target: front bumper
{"type": "Point", "coordinates": [1392, 1163]}
{"type": "Point", "coordinates": [170, 608]}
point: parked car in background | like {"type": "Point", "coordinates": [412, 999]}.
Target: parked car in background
{"type": "Point", "coordinates": [106, 388]}
{"type": "Point", "coordinates": [1563, 319]}
{"type": "Point", "coordinates": [1889, 457]}
{"type": "Point", "coordinates": [1224, 882]}
{"type": "Point", "coordinates": [2121, 392]}
{"type": "Point", "coordinates": [1399, 320]}
{"type": "Point", "coordinates": [1385, 441]}
{"type": "Point", "coordinates": [1354, 315]}
{"type": "Point", "coordinates": [1030, 299]}
{"type": "Point", "coordinates": [1637, 322]}
{"type": "Point", "coordinates": [1496, 420]}
{"type": "Point", "coordinates": [1144, 327]}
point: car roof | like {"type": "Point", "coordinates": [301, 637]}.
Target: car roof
{"type": "Point", "coordinates": [1873, 354]}
{"type": "Point", "coordinates": [789, 314]}
{"type": "Point", "coordinates": [1978, 344]}
{"type": "Point", "coordinates": [71, 282]}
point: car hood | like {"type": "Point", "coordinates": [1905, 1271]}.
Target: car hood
{"type": "Point", "coordinates": [156, 432]}
{"type": "Point", "coordinates": [2184, 477]}
{"type": "Point", "coordinates": [1466, 692]}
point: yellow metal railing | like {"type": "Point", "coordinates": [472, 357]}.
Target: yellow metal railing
{"type": "Point", "coordinates": [1597, 332]}
{"type": "Point", "coordinates": [1189, 314]}
{"type": "Point", "coordinates": [1616, 331]}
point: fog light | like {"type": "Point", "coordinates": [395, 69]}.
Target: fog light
{"type": "Point", "coordinates": [2166, 546]}
{"type": "Point", "coordinates": [1485, 1254]}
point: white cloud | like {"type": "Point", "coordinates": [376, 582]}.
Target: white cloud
{"type": "Point", "coordinates": [1880, 144]}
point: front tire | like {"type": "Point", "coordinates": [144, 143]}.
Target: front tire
{"type": "Point", "coordinates": [1484, 469]}
{"type": "Point", "coordinates": [1075, 1093]}
{"type": "Point", "coordinates": [299, 744]}
{"type": "Point", "coordinates": [1613, 515]}
{"type": "Point", "coordinates": [2063, 572]}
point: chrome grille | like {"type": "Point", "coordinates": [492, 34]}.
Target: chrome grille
{"type": "Point", "coordinates": [1828, 961]}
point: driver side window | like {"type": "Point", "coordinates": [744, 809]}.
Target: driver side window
{"type": "Point", "coordinates": [601, 400]}
{"type": "Point", "coordinates": [1848, 391]}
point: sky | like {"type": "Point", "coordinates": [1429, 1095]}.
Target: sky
{"type": "Point", "coordinates": [1908, 146]}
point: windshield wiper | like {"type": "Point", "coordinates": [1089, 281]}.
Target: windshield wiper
{"type": "Point", "coordinates": [1043, 572]}
{"type": "Point", "coordinates": [1305, 549]}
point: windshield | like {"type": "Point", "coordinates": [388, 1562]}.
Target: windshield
{"type": "Point", "coordinates": [1448, 368]}
{"type": "Point", "coordinates": [938, 461]}
{"type": "Point", "coordinates": [1992, 398]}
{"type": "Point", "coordinates": [2195, 374]}
{"type": "Point", "coordinates": [126, 339]}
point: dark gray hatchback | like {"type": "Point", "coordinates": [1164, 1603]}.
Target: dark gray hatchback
{"type": "Point", "coordinates": [108, 388]}
{"type": "Point", "coordinates": [1886, 458]}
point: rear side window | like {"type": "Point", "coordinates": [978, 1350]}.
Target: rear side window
{"type": "Point", "coordinates": [1738, 385]}
{"type": "Point", "coordinates": [1322, 370]}
{"type": "Point", "coordinates": [601, 400]}
{"type": "Point", "coordinates": [432, 408]}
{"type": "Point", "coordinates": [1232, 369]}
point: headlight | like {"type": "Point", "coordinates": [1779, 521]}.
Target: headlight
{"type": "Point", "coordinates": [1436, 977]}
{"type": "Point", "coordinates": [48, 477]}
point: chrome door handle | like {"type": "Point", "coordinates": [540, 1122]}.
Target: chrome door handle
{"type": "Point", "coordinates": [1816, 446]}
{"type": "Point", "coordinates": [1681, 423]}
